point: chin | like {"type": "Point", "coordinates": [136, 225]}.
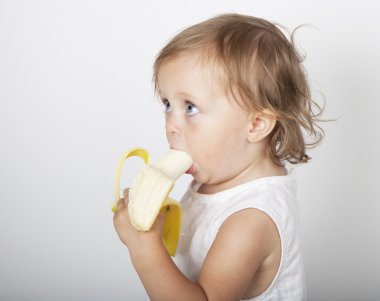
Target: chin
{"type": "Point", "coordinates": [198, 178]}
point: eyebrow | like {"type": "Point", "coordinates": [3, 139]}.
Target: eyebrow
{"type": "Point", "coordinates": [181, 94]}
{"type": "Point", "coordinates": [187, 96]}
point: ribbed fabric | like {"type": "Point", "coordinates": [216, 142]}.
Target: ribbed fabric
{"type": "Point", "coordinates": [203, 214]}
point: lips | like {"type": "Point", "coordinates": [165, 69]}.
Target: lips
{"type": "Point", "coordinates": [190, 170]}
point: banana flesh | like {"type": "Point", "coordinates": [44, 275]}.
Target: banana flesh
{"type": "Point", "coordinates": [148, 194]}
{"type": "Point", "coordinates": [146, 197]}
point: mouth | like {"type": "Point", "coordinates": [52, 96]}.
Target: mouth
{"type": "Point", "coordinates": [190, 170]}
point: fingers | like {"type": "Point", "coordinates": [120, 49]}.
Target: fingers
{"type": "Point", "coordinates": [120, 205]}
{"type": "Point", "coordinates": [123, 202]}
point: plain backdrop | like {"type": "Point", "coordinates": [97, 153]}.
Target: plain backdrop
{"type": "Point", "coordinates": [76, 91]}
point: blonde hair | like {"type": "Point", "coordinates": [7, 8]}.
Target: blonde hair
{"type": "Point", "coordinates": [263, 71]}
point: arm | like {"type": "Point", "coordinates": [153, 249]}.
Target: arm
{"type": "Point", "coordinates": [158, 273]}
{"type": "Point", "coordinates": [249, 248]}
{"type": "Point", "coordinates": [161, 277]}
{"type": "Point", "coordinates": [241, 245]}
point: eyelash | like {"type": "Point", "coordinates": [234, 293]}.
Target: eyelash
{"type": "Point", "coordinates": [166, 103]}
{"type": "Point", "coordinates": [167, 107]}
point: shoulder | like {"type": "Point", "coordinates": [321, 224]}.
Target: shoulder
{"type": "Point", "coordinates": [252, 228]}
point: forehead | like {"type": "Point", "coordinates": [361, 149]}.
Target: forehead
{"type": "Point", "coordinates": [191, 71]}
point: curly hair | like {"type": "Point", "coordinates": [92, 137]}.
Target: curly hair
{"type": "Point", "coordinates": [263, 71]}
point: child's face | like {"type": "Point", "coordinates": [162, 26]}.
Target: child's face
{"type": "Point", "coordinates": [203, 121]}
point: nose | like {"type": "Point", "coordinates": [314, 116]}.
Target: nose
{"type": "Point", "coordinates": [174, 128]}
{"type": "Point", "coordinates": [172, 124]}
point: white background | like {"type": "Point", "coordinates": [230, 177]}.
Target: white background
{"type": "Point", "coordinates": [76, 91]}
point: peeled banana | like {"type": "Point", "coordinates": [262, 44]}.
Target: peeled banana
{"type": "Point", "coordinates": [148, 193]}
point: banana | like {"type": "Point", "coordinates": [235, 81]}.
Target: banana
{"type": "Point", "coordinates": [148, 194]}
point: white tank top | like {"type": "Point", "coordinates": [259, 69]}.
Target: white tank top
{"type": "Point", "coordinates": [203, 214]}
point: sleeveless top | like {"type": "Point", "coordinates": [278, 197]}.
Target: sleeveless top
{"type": "Point", "coordinates": [203, 214]}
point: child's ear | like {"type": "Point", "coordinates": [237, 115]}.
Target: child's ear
{"type": "Point", "coordinates": [261, 125]}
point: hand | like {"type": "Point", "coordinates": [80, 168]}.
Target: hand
{"type": "Point", "coordinates": [133, 239]}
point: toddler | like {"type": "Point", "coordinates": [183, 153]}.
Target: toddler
{"type": "Point", "coordinates": [236, 99]}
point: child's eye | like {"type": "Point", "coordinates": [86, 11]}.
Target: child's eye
{"type": "Point", "coordinates": [166, 104]}
{"type": "Point", "coordinates": [191, 109]}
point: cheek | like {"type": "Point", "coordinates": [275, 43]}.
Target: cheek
{"type": "Point", "coordinates": [197, 141]}
{"type": "Point", "coordinates": [214, 144]}
{"type": "Point", "coordinates": [215, 134]}
{"type": "Point", "coordinates": [207, 145]}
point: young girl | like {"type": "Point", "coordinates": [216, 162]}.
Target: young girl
{"type": "Point", "coordinates": [237, 100]}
